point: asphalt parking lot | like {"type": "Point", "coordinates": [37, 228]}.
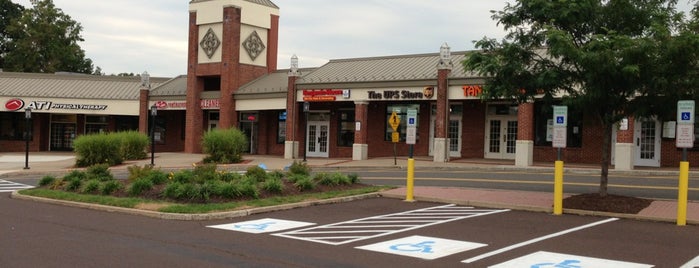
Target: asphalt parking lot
{"type": "Point", "coordinates": [366, 233]}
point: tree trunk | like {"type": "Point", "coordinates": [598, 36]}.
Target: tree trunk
{"type": "Point", "coordinates": [606, 155]}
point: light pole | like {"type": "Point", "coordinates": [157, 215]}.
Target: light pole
{"type": "Point", "coordinates": [27, 127]}
{"type": "Point", "coordinates": [306, 107]}
{"type": "Point", "coordinates": [153, 114]}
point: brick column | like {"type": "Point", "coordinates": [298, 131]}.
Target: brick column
{"type": "Point", "coordinates": [624, 147]}
{"type": "Point", "coordinates": [524, 150]}
{"type": "Point", "coordinates": [194, 124]}
{"type": "Point", "coordinates": [143, 111]}
{"type": "Point", "coordinates": [230, 57]}
{"type": "Point", "coordinates": [360, 148]}
{"type": "Point", "coordinates": [273, 44]}
{"type": "Point", "coordinates": [441, 148]}
{"type": "Point", "coordinates": [291, 145]}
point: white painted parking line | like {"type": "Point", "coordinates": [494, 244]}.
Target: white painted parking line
{"type": "Point", "coordinates": [428, 248]}
{"type": "Point", "coordinates": [543, 259]}
{"type": "Point", "coordinates": [365, 228]}
{"type": "Point", "coordinates": [266, 225]}
{"type": "Point", "coordinates": [8, 186]}
{"type": "Point", "coordinates": [535, 240]}
{"type": "Point", "coordinates": [694, 263]}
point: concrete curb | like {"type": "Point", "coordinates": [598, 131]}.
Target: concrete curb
{"type": "Point", "coordinates": [194, 217]}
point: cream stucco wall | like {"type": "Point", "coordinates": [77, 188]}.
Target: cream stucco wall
{"type": "Point", "coordinates": [245, 32]}
{"type": "Point", "coordinates": [260, 104]}
{"type": "Point", "coordinates": [218, 30]}
{"type": "Point", "coordinates": [252, 14]}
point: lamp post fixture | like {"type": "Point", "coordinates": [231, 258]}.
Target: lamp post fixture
{"type": "Point", "coordinates": [153, 114]}
{"type": "Point", "coordinates": [306, 108]}
{"type": "Point", "coordinates": [27, 117]}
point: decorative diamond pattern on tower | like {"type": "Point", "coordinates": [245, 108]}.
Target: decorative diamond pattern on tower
{"type": "Point", "coordinates": [210, 43]}
{"type": "Point", "coordinates": [254, 45]}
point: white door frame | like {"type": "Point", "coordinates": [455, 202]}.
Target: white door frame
{"type": "Point", "coordinates": [318, 144]}
{"type": "Point", "coordinates": [451, 137]}
{"type": "Point", "coordinates": [646, 139]}
{"type": "Point", "coordinates": [503, 139]}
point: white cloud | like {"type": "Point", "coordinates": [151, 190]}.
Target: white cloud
{"type": "Point", "coordinates": [133, 35]}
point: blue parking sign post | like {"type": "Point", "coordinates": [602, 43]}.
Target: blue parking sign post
{"type": "Point", "coordinates": [560, 124]}
{"type": "Point", "coordinates": [684, 140]}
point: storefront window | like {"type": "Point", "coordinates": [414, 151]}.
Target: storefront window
{"type": "Point", "coordinates": [402, 112]}
{"type": "Point", "coordinates": [13, 126]}
{"type": "Point", "coordinates": [281, 127]}
{"type": "Point", "coordinates": [159, 132]}
{"type": "Point", "coordinates": [95, 124]}
{"type": "Point", "coordinates": [543, 121]}
{"type": "Point", "coordinates": [346, 131]}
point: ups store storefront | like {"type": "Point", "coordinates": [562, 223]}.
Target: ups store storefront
{"type": "Point", "coordinates": [64, 106]}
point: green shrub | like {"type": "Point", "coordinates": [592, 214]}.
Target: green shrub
{"type": "Point", "coordinates": [273, 185]}
{"type": "Point", "coordinates": [184, 176]}
{"type": "Point", "coordinates": [74, 184]}
{"type": "Point", "coordinates": [139, 186]}
{"type": "Point", "coordinates": [110, 187]}
{"type": "Point", "coordinates": [230, 176]}
{"type": "Point", "coordinates": [353, 177]}
{"type": "Point", "coordinates": [257, 173]}
{"type": "Point", "coordinates": [47, 180]}
{"type": "Point", "coordinates": [133, 144]}
{"type": "Point", "coordinates": [204, 173]}
{"type": "Point", "coordinates": [172, 191]}
{"type": "Point", "coordinates": [99, 148]}
{"type": "Point", "coordinates": [325, 179]}
{"type": "Point", "coordinates": [340, 178]}
{"type": "Point", "coordinates": [157, 177]}
{"type": "Point", "coordinates": [136, 172]}
{"type": "Point", "coordinates": [229, 190]}
{"type": "Point", "coordinates": [100, 172]}
{"type": "Point", "coordinates": [189, 191]}
{"type": "Point", "coordinates": [224, 145]}
{"type": "Point", "coordinates": [90, 187]}
{"type": "Point", "coordinates": [75, 175]}
{"type": "Point", "coordinates": [293, 178]}
{"type": "Point", "coordinates": [56, 184]}
{"type": "Point", "coordinates": [305, 184]}
{"type": "Point", "coordinates": [275, 174]}
{"type": "Point", "coordinates": [249, 188]}
{"type": "Point", "coordinates": [298, 167]}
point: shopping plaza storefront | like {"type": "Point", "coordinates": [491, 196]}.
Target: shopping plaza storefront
{"type": "Point", "coordinates": [342, 109]}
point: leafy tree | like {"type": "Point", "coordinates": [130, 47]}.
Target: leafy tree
{"type": "Point", "coordinates": [45, 40]}
{"type": "Point", "coordinates": [10, 12]}
{"type": "Point", "coordinates": [609, 58]}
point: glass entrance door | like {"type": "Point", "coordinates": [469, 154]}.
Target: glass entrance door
{"type": "Point", "coordinates": [62, 136]}
{"type": "Point", "coordinates": [647, 141]}
{"type": "Point", "coordinates": [501, 138]}
{"type": "Point", "coordinates": [317, 137]}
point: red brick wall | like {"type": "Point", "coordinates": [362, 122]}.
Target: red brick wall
{"type": "Point", "coordinates": [376, 126]}
{"type": "Point", "coordinates": [173, 134]}
{"type": "Point", "coordinates": [626, 136]}
{"type": "Point", "coordinates": [589, 153]}
{"type": "Point", "coordinates": [273, 44]}
{"type": "Point", "coordinates": [143, 111]}
{"type": "Point", "coordinates": [473, 130]}
{"type": "Point", "coordinates": [525, 122]}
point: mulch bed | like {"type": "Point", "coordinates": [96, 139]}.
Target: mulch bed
{"type": "Point", "coordinates": [609, 203]}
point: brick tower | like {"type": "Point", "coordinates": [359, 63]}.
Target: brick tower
{"type": "Point", "coordinates": [231, 42]}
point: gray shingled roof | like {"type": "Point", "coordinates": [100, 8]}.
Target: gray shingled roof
{"type": "Point", "coordinates": [72, 86]}
{"type": "Point", "coordinates": [276, 82]}
{"type": "Point", "coordinates": [385, 69]}
{"type": "Point", "coordinates": [173, 87]}
{"type": "Point", "coordinates": [264, 3]}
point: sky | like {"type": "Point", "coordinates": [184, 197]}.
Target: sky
{"type": "Point", "coordinates": [133, 36]}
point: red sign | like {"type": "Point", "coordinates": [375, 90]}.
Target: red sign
{"type": "Point", "coordinates": [472, 91]}
{"type": "Point", "coordinates": [322, 92]}
{"type": "Point", "coordinates": [319, 98]}
{"type": "Point", "coordinates": [14, 104]}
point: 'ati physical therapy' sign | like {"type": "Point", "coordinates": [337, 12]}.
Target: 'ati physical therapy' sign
{"type": "Point", "coordinates": [18, 104]}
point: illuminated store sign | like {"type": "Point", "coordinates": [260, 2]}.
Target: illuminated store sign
{"type": "Point", "coordinates": [472, 91]}
{"type": "Point", "coordinates": [181, 105]}
{"type": "Point", "coordinates": [325, 94]}
{"type": "Point", "coordinates": [427, 93]}
{"type": "Point", "coordinates": [17, 104]}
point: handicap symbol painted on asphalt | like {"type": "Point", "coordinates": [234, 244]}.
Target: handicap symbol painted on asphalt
{"type": "Point", "coordinates": [266, 225]}
{"type": "Point", "coordinates": [254, 226]}
{"type": "Point", "coordinates": [424, 247]}
{"type": "Point", "coordinates": [563, 264]}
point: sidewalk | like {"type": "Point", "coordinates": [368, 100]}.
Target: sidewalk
{"type": "Point", "coordinates": [660, 210]}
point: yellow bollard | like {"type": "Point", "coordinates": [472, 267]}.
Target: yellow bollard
{"type": "Point", "coordinates": [411, 180]}
{"type": "Point", "coordinates": [682, 195]}
{"type": "Point", "coordinates": [558, 188]}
